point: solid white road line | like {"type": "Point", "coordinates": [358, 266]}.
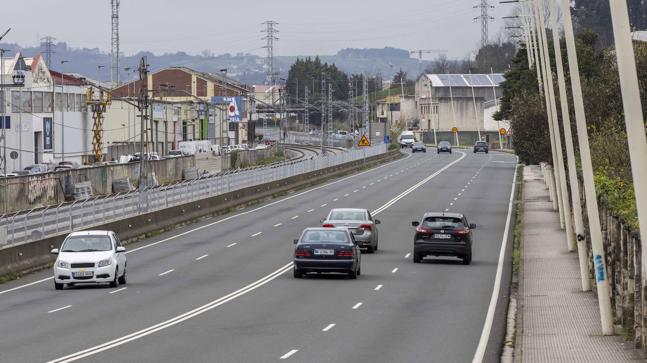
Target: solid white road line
{"type": "Point", "coordinates": [394, 270]}
{"type": "Point", "coordinates": [116, 291]}
{"type": "Point", "coordinates": [330, 326]}
{"type": "Point", "coordinates": [295, 217]}
{"type": "Point", "coordinates": [166, 272]}
{"type": "Point", "coordinates": [489, 319]}
{"type": "Point", "coordinates": [201, 257]}
{"type": "Point", "coordinates": [356, 306]}
{"type": "Point", "coordinates": [232, 244]}
{"type": "Point", "coordinates": [310, 210]}
{"type": "Point", "coordinates": [256, 234]}
{"type": "Point", "coordinates": [26, 285]}
{"type": "Point", "coordinates": [378, 287]}
{"type": "Point", "coordinates": [323, 205]}
{"type": "Point", "coordinates": [289, 354]}
{"type": "Point", "coordinates": [277, 225]}
{"type": "Point", "coordinates": [175, 320]}
{"type": "Point", "coordinates": [59, 309]}
{"type": "Point", "coordinates": [407, 255]}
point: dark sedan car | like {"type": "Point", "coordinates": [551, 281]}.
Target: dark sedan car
{"type": "Point", "coordinates": [418, 146]}
{"type": "Point", "coordinates": [443, 234]}
{"type": "Point", "coordinates": [444, 147]}
{"type": "Point", "coordinates": [327, 250]}
{"type": "Point", "coordinates": [481, 146]}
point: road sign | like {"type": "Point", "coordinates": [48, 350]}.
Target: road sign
{"type": "Point", "coordinates": [454, 129]}
{"type": "Point", "coordinates": [503, 131]}
{"type": "Point", "coordinates": [364, 141]}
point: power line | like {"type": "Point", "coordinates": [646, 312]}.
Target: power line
{"type": "Point", "coordinates": [48, 42]}
{"type": "Point", "coordinates": [270, 37]}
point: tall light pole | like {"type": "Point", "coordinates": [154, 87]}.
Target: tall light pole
{"type": "Point", "coordinates": [223, 122]}
{"type": "Point", "coordinates": [63, 107]}
{"type": "Point", "coordinates": [595, 229]}
{"type": "Point", "coordinates": [633, 114]}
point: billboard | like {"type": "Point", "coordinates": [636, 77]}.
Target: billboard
{"type": "Point", "coordinates": [235, 107]}
{"type": "Point", "coordinates": [47, 133]}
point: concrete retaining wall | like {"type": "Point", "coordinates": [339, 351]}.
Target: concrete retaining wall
{"type": "Point", "coordinates": [40, 190]}
{"type": "Point", "coordinates": [33, 255]}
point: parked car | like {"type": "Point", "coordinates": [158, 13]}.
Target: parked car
{"type": "Point", "coordinates": [444, 147]}
{"type": "Point", "coordinates": [66, 165]}
{"type": "Point", "coordinates": [326, 250]}
{"type": "Point", "coordinates": [481, 146]}
{"type": "Point", "coordinates": [418, 146]}
{"type": "Point", "coordinates": [443, 234]}
{"type": "Point", "coordinates": [359, 222]}
{"type": "Point", "coordinates": [37, 168]}
{"type": "Point", "coordinates": [90, 257]}
{"type": "Point", "coordinates": [173, 154]}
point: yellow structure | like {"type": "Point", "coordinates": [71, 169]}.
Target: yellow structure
{"type": "Point", "coordinates": [98, 106]}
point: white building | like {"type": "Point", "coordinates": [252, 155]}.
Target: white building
{"type": "Point", "coordinates": [34, 133]}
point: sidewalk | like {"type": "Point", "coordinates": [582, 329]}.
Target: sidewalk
{"type": "Point", "coordinates": [557, 322]}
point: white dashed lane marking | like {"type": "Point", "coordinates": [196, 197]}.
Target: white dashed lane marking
{"type": "Point", "coordinates": [256, 234]}
{"type": "Point", "coordinates": [201, 257]}
{"type": "Point", "coordinates": [231, 245]}
{"type": "Point", "coordinates": [330, 326]}
{"type": "Point", "coordinates": [59, 309]}
{"type": "Point", "coordinates": [289, 354]}
{"type": "Point", "coordinates": [356, 306]}
{"type": "Point", "coordinates": [378, 287]}
{"type": "Point", "coordinates": [116, 291]}
{"type": "Point", "coordinates": [407, 255]}
{"type": "Point", "coordinates": [277, 225]}
{"type": "Point", "coordinates": [166, 272]}
{"type": "Point", "coordinates": [295, 217]}
{"type": "Point", "coordinates": [310, 210]}
{"type": "Point", "coordinates": [394, 270]}
{"type": "Point", "coordinates": [323, 205]}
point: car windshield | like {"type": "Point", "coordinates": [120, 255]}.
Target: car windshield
{"type": "Point", "coordinates": [87, 244]}
{"type": "Point", "coordinates": [329, 236]}
{"type": "Point", "coordinates": [407, 137]}
{"type": "Point", "coordinates": [339, 215]}
{"type": "Point", "coordinates": [442, 222]}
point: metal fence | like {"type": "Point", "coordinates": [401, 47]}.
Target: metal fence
{"type": "Point", "coordinates": [44, 222]}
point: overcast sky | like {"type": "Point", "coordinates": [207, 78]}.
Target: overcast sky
{"type": "Point", "coordinates": [307, 27]}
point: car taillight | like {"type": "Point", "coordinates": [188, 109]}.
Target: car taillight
{"type": "Point", "coordinates": [366, 227]}
{"type": "Point", "coordinates": [328, 225]}
{"type": "Point", "coordinates": [344, 253]}
{"type": "Point", "coordinates": [460, 231]}
{"type": "Point", "coordinates": [301, 253]}
{"type": "Point", "coordinates": [423, 230]}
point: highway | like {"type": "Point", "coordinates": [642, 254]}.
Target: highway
{"type": "Point", "coordinates": [222, 290]}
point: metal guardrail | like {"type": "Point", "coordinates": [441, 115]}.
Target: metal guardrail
{"type": "Point", "coordinates": [67, 217]}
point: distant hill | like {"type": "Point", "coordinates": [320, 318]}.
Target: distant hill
{"type": "Point", "coordinates": [247, 68]}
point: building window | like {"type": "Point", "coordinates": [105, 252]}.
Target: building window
{"type": "Point", "coordinates": [47, 102]}
{"type": "Point", "coordinates": [26, 101]}
{"type": "Point", "coordinates": [6, 123]}
{"type": "Point", "coordinates": [15, 101]}
{"type": "Point", "coordinates": [70, 102]}
{"type": "Point", "coordinates": [38, 102]}
{"type": "Point", "coordinates": [79, 102]}
{"type": "Point", "coordinates": [60, 101]}
{"type": "Point", "coordinates": [434, 109]}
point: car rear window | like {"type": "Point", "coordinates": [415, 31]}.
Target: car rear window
{"type": "Point", "coordinates": [481, 143]}
{"type": "Point", "coordinates": [347, 216]}
{"type": "Point", "coordinates": [444, 143]}
{"type": "Point", "coordinates": [442, 222]}
{"type": "Point", "coordinates": [325, 237]}
{"type": "Point", "coordinates": [87, 244]}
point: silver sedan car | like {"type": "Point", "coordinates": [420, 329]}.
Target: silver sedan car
{"type": "Point", "coordinates": [359, 222]}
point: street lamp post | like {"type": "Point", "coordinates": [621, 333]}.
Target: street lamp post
{"type": "Point", "coordinates": [63, 107]}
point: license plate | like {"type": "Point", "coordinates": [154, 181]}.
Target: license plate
{"type": "Point", "coordinates": [82, 273]}
{"type": "Point", "coordinates": [324, 252]}
{"type": "Point", "coordinates": [442, 236]}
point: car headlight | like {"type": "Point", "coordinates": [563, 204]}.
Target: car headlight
{"type": "Point", "coordinates": [106, 262]}
{"type": "Point", "coordinates": [63, 264]}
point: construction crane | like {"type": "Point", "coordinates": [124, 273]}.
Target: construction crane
{"type": "Point", "coordinates": [98, 106]}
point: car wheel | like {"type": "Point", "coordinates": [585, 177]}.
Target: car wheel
{"type": "Point", "coordinates": [424, 151]}
{"type": "Point", "coordinates": [467, 259]}
{"type": "Point", "coordinates": [487, 152]}
{"type": "Point", "coordinates": [297, 273]}
{"type": "Point", "coordinates": [375, 248]}
{"type": "Point", "coordinates": [369, 249]}
{"type": "Point", "coordinates": [115, 282]}
{"type": "Point", "coordinates": [359, 270]}
{"type": "Point", "coordinates": [71, 284]}
{"type": "Point", "coordinates": [417, 258]}
{"type": "Point", "coordinates": [58, 286]}
{"type": "Point", "coordinates": [122, 279]}
{"type": "Point", "coordinates": [352, 274]}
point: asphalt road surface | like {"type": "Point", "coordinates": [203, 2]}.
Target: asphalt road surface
{"type": "Point", "coordinates": [222, 290]}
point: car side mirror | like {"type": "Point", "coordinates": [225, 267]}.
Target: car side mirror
{"type": "Point", "coordinates": [473, 226]}
{"type": "Point", "coordinates": [296, 241]}
{"type": "Point", "coordinates": [54, 251]}
{"type": "Point", "coordinates": [121, 249]}
{"type": "Point", "coordinates": [377, 221]}
{"type": "Point", "coordinates": [415, 223]}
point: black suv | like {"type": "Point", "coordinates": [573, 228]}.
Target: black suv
{"type": "Point", "coordinates": [443, 234]}
{"type": "Point", "coordinates": [481, 146]}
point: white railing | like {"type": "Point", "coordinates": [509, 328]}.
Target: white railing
{"type": "Point", "coordinates": [40, 223]}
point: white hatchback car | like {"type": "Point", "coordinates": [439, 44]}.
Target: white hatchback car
{"type": "Point", "coordinates": [90, 257]}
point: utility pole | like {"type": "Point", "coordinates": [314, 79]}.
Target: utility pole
{"type": "Point", "coordinates": [324, 136]}
{"type": "Point", "coordinates": [633, 114]}
{"type": "Point", "coordinates": [142, 103]}
{"type": "Point", "coordinates": [114, 60]}
{"type": "Point", "coordinates": [270, 37]}
{"type": "Point", "coordinates": [306, 115]}
{"type": "Point", "coordinates": [485, 20]}
{"type": "Point", "coordinates": [367, 125]}
{"type": "Point", "coordinates": [595, 228]}
{"type": "Point", "coordinates": [351, 103]}
{"type": "Point", "coordinates": [331, 124]}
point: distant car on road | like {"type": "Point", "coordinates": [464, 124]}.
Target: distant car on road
{"type": "Point", "coordinates": [481, 146]}
{"type": "Point", "coordinates": [359, 222]}
{"type": "Point", "coordinates": [327, 250]}
{"type": "Point", "coordinates": [444, 147]}
{"type": "Point", "coordinates": [418, 146]}
{"type": "Point", "coordinates": [406, 139]}
{"type": "Point", "coordinates": [443, 234]}
{"type": "Point", "coordinates": [37, 168]}
{"type": "Point", "coordinates": [90, 257]}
